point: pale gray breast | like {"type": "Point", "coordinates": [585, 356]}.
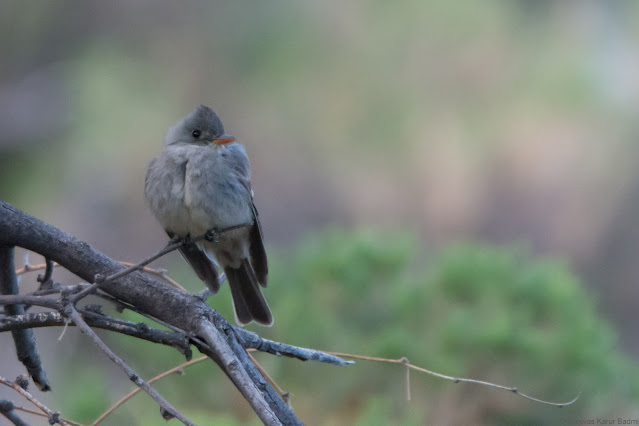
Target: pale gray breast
{"type": "Point", "coordinates": [164, 190]}
{"type": "Point", "coordinates": [214, 191]}
{"type": "Point", "coordinates": [191, 189]}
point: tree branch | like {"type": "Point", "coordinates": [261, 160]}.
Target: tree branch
{"type": "Point", "coordinates": [234, 369]}
{"type": "Point", "coordinates": [168, 411]}
{"type": "Point", "coordinates": [7, 409]}
{"type": "Point", "coordinates": [24, 339]}
{"type": "Point", "coordinates": [54, 417]}
{"type": "Point", "coordinates": [251, 340]}
{"type": "Point", "coordinates": [100, 280]}
{"type": "Point", "coordinates": [173, 339]}
{"type": "Point", "coordinates": [180, 310]}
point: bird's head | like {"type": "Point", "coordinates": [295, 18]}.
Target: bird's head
{"type": "Point", "coordinates": [200, 127]}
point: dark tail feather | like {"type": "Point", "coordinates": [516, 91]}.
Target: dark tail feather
{"type": "Point", "coordinates": [258, 254]}
{"type": "Point", "coordinates": [202, 265]}
{"type": "Point", "coordinates": [248, 301]}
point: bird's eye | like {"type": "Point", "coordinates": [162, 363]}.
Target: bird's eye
{"type": "Point", "coordinates": [196, 133]}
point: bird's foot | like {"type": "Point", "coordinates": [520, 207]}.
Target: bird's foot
{"type": "Point", "coordinates": [183, 240]}
{"type": "Point", "coordinates": [213, 235]}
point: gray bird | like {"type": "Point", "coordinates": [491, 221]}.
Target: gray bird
{"type": "Point", "coordinates": [201, 181]}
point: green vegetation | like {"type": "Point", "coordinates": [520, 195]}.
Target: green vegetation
{"type": "Point", "coordinates": [490, 313]}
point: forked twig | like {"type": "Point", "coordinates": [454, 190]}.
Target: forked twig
{"type": "Point", "coordinates": [24, 340]}
{"type": "Point", "coordinates": [181, 310]}
{"type": "Point", "coordinates": [405, 362]}
{"type": "Point", "coordinates": [168, 411]}
{"type": "Point", "coordinates": [39, 414]}
{"type": "Point", "coordinates": [227, 360]}
{"type": "Point", "coordinates": [53, 416]}
{"type": "Point", "coordinates": [161, 273]}
{"type": "Point", "coordinates": [8, 410]}
{"type": "Point", "coordinates": [158, 273]}
{"type": "Point", "coordinates": [130, 395]}
{"type": "Point", "coordinates": [286, 396]}
{"type": "Point", "coordinates": [172, 246]}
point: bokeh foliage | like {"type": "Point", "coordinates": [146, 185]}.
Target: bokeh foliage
{"type": "Point", "coordinates": [486, 312]}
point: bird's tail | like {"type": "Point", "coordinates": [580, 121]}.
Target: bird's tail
{"type": "Point", "coordinates": [248, 301]}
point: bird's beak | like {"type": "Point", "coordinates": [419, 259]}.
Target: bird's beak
{"type": "Point", "coordinates": [223, 140]}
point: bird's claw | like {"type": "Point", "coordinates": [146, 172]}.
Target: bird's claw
{"type": "Point", "coordinates": [180, 240]}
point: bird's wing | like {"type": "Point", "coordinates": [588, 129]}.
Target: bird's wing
{"type": "Point", "coordinates": [259, 261]}
{"type": "Point", "coordinates": [257, 251]}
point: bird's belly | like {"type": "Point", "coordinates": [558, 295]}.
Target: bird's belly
{"type": "Point", "coordinates": [214, 201]}
{"type": "Point", "coordinates": [172, 212]}
{"type": "Point", "coordinates": [189, 198]}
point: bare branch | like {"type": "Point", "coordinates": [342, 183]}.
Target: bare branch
{"type": "Point", "coordinates": [456, 379]}
{"type": "Point", "coordinates": [39, 414]}
{"type": "Point", "coordinates": [7, 410]}
{"type": "Point", "coordinates": [168, 411]}
{"type": "Point", "coordinates": [162, 273]}
{"type": "Point", "coordinates": [140, 330]}
{"type": "Point", "coordinates": [286, 396]}
{"type": "Point", "coordinates": [24, 339]}
{"type": "Point", "coordinates": [130, 395]}
{"type": "Point", "coordinates": [25, 299]}
{"type": "Point", "coordinates": [45, 280]}
{"type": "Point", "coordinates": [100, 280]}
{"type": "Point", "coordinates": [53, 416]}
{"type": "Point", "coordinates": [251, 340]}
{"type": "Point", "coordinates": [229, 363]}
{"type": "Point", "coordinates": [181, 311]}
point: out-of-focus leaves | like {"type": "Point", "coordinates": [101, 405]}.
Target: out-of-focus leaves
{"type": "Point", "coordinates": [486, 312]}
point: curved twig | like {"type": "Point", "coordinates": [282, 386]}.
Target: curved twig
{"type": "Point", "coordinates": [53, 416]}
{"type": "Point", "coordinates": [456, 379]}
{"type": "Point", "coordinates": [161, 273]}
{"type": "Point", "coordinates": [131, 394]}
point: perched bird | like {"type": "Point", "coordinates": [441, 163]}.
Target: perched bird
{"type": "Point", "coordinates": [201, 181]}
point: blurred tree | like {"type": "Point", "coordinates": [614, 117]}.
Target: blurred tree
{"type": "Point", "coordinates": [490, 313]}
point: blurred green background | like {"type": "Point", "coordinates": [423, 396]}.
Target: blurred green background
{"type": "Point", "coordinates": [454, 182]}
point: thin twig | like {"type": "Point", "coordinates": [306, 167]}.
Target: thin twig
{"type": "Point", "coordinates": [456, 379]}
{"type": "Point", "coordinates": [53, 416]}
{"type": "Point", "coordinates": [30, 411]}
{"type": "Point", "coordinates": [101, 280]}
{"type": "Point", "coordinates": [168, 411]}
{"type": "Point", "coordinates": [29, 268]}
{"type": "Point", "coordinates": [161, 273]}
{"type": "Point", "coordinates": [39, 414]}
{"type": "Point", "coordinates": [130, 395]}
{"type": "Point", "coordinates": [408, 398]}
{"type": "Point", "coordinates": [7, 409]}
{"type": "Point", "coordinates": [286, 396]}
{"type": "Point", "coordinates": [60, 289]}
